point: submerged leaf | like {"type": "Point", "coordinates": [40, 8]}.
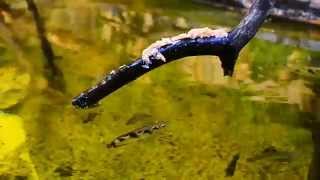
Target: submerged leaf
{"type": "Point", "coordinates": [13, 86]}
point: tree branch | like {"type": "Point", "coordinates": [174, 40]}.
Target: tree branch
{"type": "Point", "coordinates": [225, 47]}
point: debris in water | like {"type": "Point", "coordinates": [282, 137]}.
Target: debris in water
{"type": "Point", "coordinates": [91, 117]}
{"type": "Point", "coordinates": [64, 171]}
{"type": "Point", "coordinates": [232, 165]}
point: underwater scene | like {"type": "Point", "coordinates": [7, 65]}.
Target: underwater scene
{"type": "Point", "coordinates": [183, 120]}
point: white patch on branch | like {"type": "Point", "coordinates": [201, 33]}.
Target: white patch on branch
{"type": "Point", "coordinates": [153, 49]}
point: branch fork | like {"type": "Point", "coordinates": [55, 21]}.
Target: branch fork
{"type": "Point", "coordinates": [196, 42]}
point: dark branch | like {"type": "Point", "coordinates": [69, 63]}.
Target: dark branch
{"type": "Point", "coordinates": [249, 26]}
{"type": "Point", "coordinates": [41, 30]}
{"type": "Point", "coordinates": [225, 47]}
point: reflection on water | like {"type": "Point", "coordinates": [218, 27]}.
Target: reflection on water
{"type": "Point", "coordinates": [265, 112]}
{"type": "Point", "coordinates": [309, 44]}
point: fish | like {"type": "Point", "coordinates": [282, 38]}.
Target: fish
{"type": "Point", "coordinates": [135, 134]}
{"type": "Point", "coordinates": [272, 153]}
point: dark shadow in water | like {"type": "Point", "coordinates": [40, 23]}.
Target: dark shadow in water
{"type": "Point", "coordinates": [314, 170]}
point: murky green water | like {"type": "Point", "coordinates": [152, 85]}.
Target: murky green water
{"type": "Point", "coordinates": [265, 113]}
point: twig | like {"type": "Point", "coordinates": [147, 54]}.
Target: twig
{"type": "Point", "coordinates": [45, 44]}
{"type": "Point", "coordinates": [231, 168]}
{"type": "Point", "coordinates": [226, 47]}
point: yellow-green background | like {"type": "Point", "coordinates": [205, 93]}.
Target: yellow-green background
{"type": "Point", "coordinates": [271, 101]}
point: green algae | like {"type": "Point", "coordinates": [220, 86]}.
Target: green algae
{"type": "Point", "coordinates": [210, 117]}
